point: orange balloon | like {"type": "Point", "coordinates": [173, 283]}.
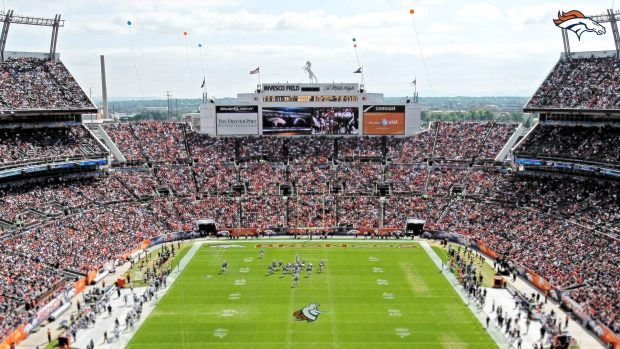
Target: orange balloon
{"type": "Point", "coordinates": [184, 33]}
{"type": "Point", "coordinates": [412, 11]}
{"type": "Point", "coordinates": [354, 45]}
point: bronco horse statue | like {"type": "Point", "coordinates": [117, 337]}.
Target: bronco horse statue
{"type": "Point", "coordinates": [308, 69]}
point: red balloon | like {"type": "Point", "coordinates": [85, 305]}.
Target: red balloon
{"type": "Point", "coordinates": [412, 11]}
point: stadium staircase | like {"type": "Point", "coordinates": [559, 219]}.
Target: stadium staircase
{"type": "Point", "coordinates": [435, 136]}
{"type": "Point", "coordinates": [484, 139]}
{"type": "Point", "coordinates": [139, 142]}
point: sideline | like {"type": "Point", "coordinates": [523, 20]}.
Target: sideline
{"type": "Point", "coordinates": [120, 310]}
{"type": "Point", "coordinates": [497, 335]}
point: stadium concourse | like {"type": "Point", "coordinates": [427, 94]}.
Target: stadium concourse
{"type": "Point", "coordinates": [559, 228]}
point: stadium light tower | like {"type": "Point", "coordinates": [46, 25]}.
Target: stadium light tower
{"type": "Point", "coordinates": [9, 18]}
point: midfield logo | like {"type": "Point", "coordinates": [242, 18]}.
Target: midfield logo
{"type": "Point", "coordinates": [308, 313]}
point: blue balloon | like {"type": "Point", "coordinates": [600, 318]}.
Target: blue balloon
{"type": "Point", "coordinates": [353, 39]}
{"type": "Point", "coordinates": [199, 45]}
{"type": "Point", "coordinates": [128, 22]}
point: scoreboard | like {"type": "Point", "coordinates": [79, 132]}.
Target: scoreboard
{"type": "Point", "coordinates": [311, 109]}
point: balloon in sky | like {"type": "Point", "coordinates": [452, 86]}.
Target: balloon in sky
{"type": "Point", "coordinates": [128, 22]}
{"type": "Point", "coordinates": [354, 39]}
{"type": "Point", "coordinates": [355, 45]}
{"type": "Point", "coordinates": [199, 45]}
{"type": "Point", "coordinates": [184, 33]}
{"type": "Point", "coordinates": [412, 11]}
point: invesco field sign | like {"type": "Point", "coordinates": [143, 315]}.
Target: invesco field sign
{"type": "Point", "coordinates": [237, 120]}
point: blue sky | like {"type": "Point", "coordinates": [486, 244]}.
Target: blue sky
{"type": "Point", "coordinates": [471, 48]}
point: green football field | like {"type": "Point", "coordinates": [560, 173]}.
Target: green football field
{"type": "Point", "coordinates": [370, 295]}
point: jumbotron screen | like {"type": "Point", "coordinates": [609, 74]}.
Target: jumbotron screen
{"type": "Point", "coordinates": [310, 121]}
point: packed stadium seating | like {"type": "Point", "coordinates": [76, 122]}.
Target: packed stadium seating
{"type": "Point", "coordinates": [23, 146]}
{"type": "Point", "coordinates": [28, 83]}
{"type": "Point", "coordinates": [594, 144]}
{"type": "Point", "coordinates": [580, 83]}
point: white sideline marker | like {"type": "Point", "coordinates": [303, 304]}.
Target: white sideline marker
{"type": "Point", "coordinates": [377, 270]}
{"type": "Point", "coordinates": [240, 282]}
{"type": "Point", "coordinates": [382, 282]}
{"type": "Point", "coordinates": [244, 270]}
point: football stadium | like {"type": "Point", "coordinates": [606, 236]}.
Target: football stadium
{"type": "Point", "coordinates": [309, 214]}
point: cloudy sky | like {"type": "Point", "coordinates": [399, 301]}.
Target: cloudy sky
{"type": "Point", "coordinates": [471, 48]}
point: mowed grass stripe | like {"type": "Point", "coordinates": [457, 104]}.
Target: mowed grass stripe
{"type": "Point", "coordinates": [355, 298]}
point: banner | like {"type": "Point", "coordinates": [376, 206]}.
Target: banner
{"type": "Point", "coordinates": [243, 231]}
{"type": "Point", "coordinates": [538, 280]}
{"type": "Point", "coordinates": [384, 120]}
{"type": "Point", "coordinates": [486, 250]}
{"type": "Point", "coordinates": [236, 120]}
{"type": "Point", "coordinates": [145, 244]}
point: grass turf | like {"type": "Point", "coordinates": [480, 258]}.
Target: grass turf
{"type": "Point", "coordinates": [383, 295]}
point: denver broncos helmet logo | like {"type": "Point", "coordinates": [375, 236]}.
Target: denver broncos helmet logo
{"type": "Point", "coordinates": [577, 22]}
{"type": "Point", "coordinates": [308, 313]}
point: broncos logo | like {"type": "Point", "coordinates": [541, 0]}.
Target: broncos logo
{"type": "Point", "coordinates": [577, 22]}
{"type": "Point", "coordinates": [308, 313]}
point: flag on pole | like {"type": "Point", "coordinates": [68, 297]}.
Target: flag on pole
{"type": "Point", "coordinates": [358, 71]}
{"type": "Point", "coordinates": [203, 82]}
{"type": "Point", "coordinates": [255, 71]}
{"type": "Point", "coordinates": [414, 82]}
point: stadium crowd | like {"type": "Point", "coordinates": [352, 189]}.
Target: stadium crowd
{"type": "Point", "coordinates": [19, 146]}
{"type": "Point", "coordinates": [580, 83]}
{"type": "Point", "coordinates": [28, 83]}
{"type": "Point", "coordinates": [78, 225]}
{"type": "Point", "coordinates": [576, 143]}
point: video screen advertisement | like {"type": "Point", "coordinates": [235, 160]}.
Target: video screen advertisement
{"type": "Point", "coordinates": [287, 121]}
{"type": "Point", "coordinates": [384, 119]}
{"type": "Point", "coordinates": [236, 120]}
